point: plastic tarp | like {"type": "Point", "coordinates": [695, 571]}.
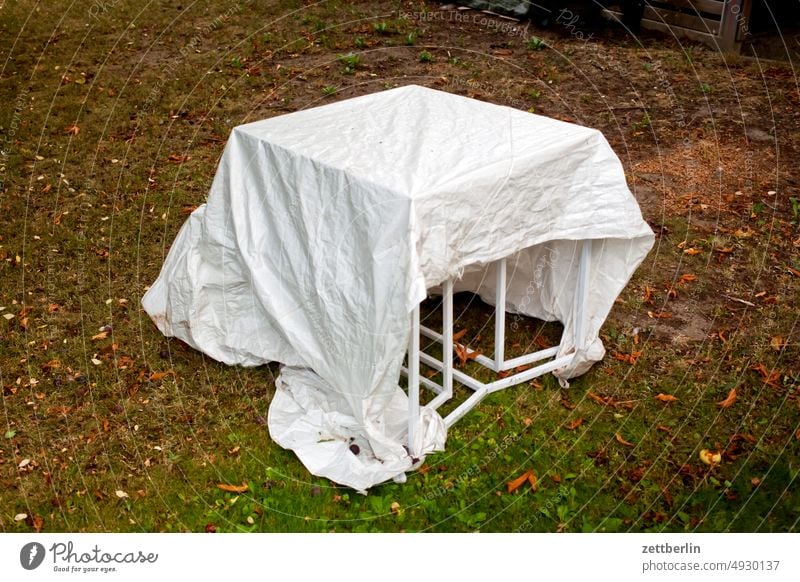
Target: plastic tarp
{"type": "Point", "coordinates": [325, 227]}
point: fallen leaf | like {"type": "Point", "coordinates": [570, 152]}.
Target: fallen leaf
{"type": "Point", "coordinates": [777, 343]}
{"type": "Point", "coordinates": [526, 421]}
{"type": "Point", "coordinates": [604, 400]}
{"type": "Point", "coordinates": [769, 378]}
{"type": "Point", "coordinates": [666, 397]}
{"type": "Point", "coordinates": [176, 159]}
{"type": "Point", "coordinates": [156, 376]}
{"type": "Point", "coordinates": [24, 463]}
{"type": "Point", "coordinates": [464, 354]}
{"type": "Point", "coordinates": [503, 52]}
{"type": "Point", "coordinates": [533, 481]}
{"type": "Point", "coordinates": [691, 251]}
{"type": "Point", "coordinates": [648, 295]}
{"type": "Point", "coordinates": [663, 428]}
{"type": "Point", "coordinates": [728, 402]}
{"type": "Point", "coordinates": [573, 424]}
{"type": "Point", "coordinates": [38, 523]}
{"type": "Point", "coordinates": [516, 483]}
{"type": "Point", "coordinates": [458, 335]}
{"type": "Point", "coordinates": [21, 517]}
{"type": "Point", "coordinates": [629, 358]}
{"type": "Point", "coordinates": [121, 494]}
{"type": "Point", "coordinates": [659, 315]}
{"type": "Point", "coordinates": [724, 250]}
{"type": "Point", "coordinates": [794, 272]}
{"type": "Point", "coordinates": [100, 336]}
{"type": "Point", "coordinates": [797, 434]}
{"type": "Point", "coordinates": [395, 508]}
{"type": "Point", "coordinates": [72, 129]}
{"type": "Point", "coordinates": [233, 488]}
{"type": "Point", "coordinates": [710, 458]}
{"type": "Point", "coordinates": [622, 441]}
{"type": "Point", "coordinates": [686, 278]}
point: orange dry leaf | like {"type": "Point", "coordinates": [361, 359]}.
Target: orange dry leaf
{"type": "Point", "coordinates": [728, 402]}
{"type": "Point", "coordinates": [573, 424]}
{"type": "Point", "coordinates": [648, 295]}
{"type": "Point", "coordinates": [659, 315]}
{"type": "Point", "coordinates": [622, 441]}
{"type": "Point", "coordinates": [156, 376]}
{"type": "Point", "coordinates": [794, 272]}
{"type": "Point", "coordinates": [629, 358]}
{"type": "Point", "coordinates": [100, 336]}
{"type": "Point", "coordinates": [691, 251]}
{"type": "Point", "coordinates": [769, 378]}
{"type": "Point", "coordinates": [686, 278]}
{"type": "Point", "coordinates": [516, 483]}
{"type": "Point", "coordinates": [175, 158]}
{"type": "Point", "coordinates": [458, 335]}
{"type": "Point", "coordinates": [38, 523]}
{"type": "Point", "coordinates": [464, 354]}
{"type": "Point", "coordinates": [72, 129]}
{"type": "Point", "coordinates": [666, 398]}
{"type": "Point", "coordinates": [778, 343]}
{"type": "Point", "coordinates": [604, 400]}
{"type": "Point", "coordinates": [234, 488]}
{"type": "Point", "coordinates": [663, 428]}
{"type": "Point", "coordinates": [533, 481]}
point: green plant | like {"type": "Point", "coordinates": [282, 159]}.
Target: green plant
{"type": "Point", "coordinates": [534, 93]}
{"type": "Point", "coordinates": [381, 28]}
{"type": "Point", "coordinates": [705, 88]}
{"type": "Point", "coordinates": [360, 42]}
{"type": "Point", "coordinates": [350, 61]}
{"type": "Point", "coordinates": [643, 123]}
{"type": "Point", "coordinates": [648, 67]}
{"type": "Point", "coordinates": [425, 57]}
{"type": "Point", "coordinates": [410, 38]}
{"type": "Point", "coordinates": [236, 63]}
{"type": "Point", "coordinates": [328, 90]}
{"type": "Point", "coordinates": [536, 44]}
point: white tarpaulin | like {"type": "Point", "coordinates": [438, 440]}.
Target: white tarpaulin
{"type": "Point", "coordinates": [325, 227]}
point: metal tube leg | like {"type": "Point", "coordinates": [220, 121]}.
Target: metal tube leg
{"type": "Point", "coordinates": [500, 315]}
{"type": "Point", "coordinates": [582, 293]}
{"type": "Point", "coordinates": [413, 382]}
{"type": "Point", "coordinates": [447, 343]}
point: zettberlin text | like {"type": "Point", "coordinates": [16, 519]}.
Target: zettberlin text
{"type": "Point", "coordinates": [671, 549]}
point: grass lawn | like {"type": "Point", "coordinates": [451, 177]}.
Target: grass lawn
{"type": "Point", "coordinates": [113, 116]}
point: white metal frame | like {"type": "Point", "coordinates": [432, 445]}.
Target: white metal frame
{"type": "Point", "coordinates": [444, 392]}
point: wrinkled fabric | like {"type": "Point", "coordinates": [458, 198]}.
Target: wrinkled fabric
{"type": "Point", "coordinates": [324, 228]}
